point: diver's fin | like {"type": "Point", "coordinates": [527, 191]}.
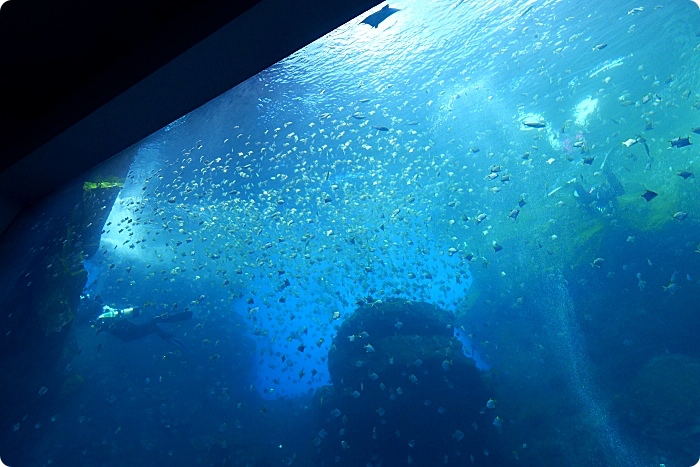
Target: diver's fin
{"type": "Point", "coordinates": [175, 317]}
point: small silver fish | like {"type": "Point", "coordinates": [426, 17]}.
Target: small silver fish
{"type": "Point", "coordinates": [680, 216]}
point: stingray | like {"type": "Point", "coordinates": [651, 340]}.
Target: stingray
{"type": "Point", "coordinates": [649, 195]}
{"type": "Point", "coordinates": [376, 18]}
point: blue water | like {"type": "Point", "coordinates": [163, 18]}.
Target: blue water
{"type": "Point", "coordinates": [485, 157]}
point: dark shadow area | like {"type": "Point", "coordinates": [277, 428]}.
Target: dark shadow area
{"type": "Point", "coordinates": [404, 392]}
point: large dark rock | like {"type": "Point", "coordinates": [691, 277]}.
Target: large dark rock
{"type": "Point", "coordinates": [41, 279]}
{"type": "Point", "coordinates": [402, 386]}
{"type": "Point", "coordinates": [397, 329]}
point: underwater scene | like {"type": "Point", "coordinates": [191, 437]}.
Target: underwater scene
{"type": "Point", "coordinates": [447, 233]}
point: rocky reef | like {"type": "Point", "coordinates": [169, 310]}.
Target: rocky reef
{"type": "Point", "coordinates": [404, 391]}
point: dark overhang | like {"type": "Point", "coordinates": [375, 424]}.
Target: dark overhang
{"type": "Point", "coordinates": [83, 80]}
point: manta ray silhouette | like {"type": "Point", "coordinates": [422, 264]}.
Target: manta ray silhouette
{"type": "Point", "coordinates": [376, 18]}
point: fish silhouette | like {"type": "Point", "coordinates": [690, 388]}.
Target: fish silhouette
{"type": "Point", "coordinates": [649, 195]}
{"type": "Point", "coordinates": [376, 18]}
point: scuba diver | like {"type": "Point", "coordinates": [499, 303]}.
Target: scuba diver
{"type": "Point", "coordinates": [602, 196]}
{"type": "Point", "coordinates": [108, 312]}
{"type": "Point", "coordinates": [117, 323]}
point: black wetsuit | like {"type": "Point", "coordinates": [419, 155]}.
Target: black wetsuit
{"type": "Point", "coordinates": [127, 331]}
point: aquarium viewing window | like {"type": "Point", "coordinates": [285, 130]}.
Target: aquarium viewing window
{"type": "Point", "coordinates": [264, 215]}
{"type": "Point", "coordinates": [445, 233]}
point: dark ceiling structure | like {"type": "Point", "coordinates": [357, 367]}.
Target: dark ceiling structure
{"type": "Point", "coordinates": [81, 80]}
